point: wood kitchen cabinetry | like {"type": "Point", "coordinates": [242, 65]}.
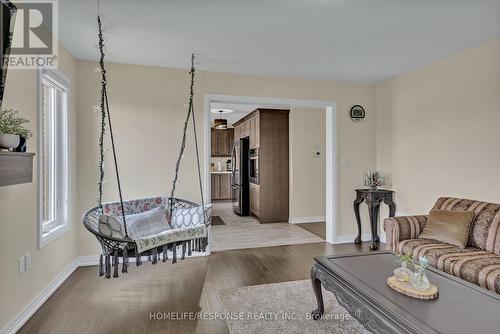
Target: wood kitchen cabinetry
{"type": "Point", "coordinates": [245, 129]}
{"type": "Point", "coordinates": [221, 186]}
{"type": "Point", "coordinates": [251, 129]}
{"type": "Point", "coordinates": [268, 131]}
{"type": "Point", "coordinates": [237, 134]}
{"type": "Point", "coordinates": [255, 199]}
{"type": "Point", "coordinates": [222, 142]}
{"type": "Point", "coordinates": [254, 131]}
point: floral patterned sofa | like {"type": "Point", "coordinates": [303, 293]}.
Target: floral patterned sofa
{"type": "Point", "coordinates": [478, 263]}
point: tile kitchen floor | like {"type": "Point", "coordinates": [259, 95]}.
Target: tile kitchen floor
{"type": "Point", "coordinates": [246, 232]}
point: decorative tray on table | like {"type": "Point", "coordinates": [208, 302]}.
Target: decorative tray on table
{"type": "Point", "coordinates": [405, 288]}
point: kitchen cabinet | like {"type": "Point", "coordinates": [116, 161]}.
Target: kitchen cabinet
{"type": "Point", "coordinates": [221, 186]}
{"type": "Point", "coordinates": [237, 133]}
{"type": "Point", "coordinates": [214, 191]}
{"type": "Point", "coordinates": [254, 199]}
{"type": "Point", "coordinates": [222, 142]}
{"type": "Point", "coordinates": [249, 128]}
{"type": "Point", "coordinates": [245, 129]}
{"type": "Point", "coordinates": [254, 131]}
{"type": "Point", "coordinates": [225, 186]}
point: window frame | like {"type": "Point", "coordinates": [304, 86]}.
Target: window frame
{"type": "Point", "coordinates": [61, 225]}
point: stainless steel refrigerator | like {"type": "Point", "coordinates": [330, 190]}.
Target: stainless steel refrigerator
{"type": "Point", "coordinates": [240, 185]}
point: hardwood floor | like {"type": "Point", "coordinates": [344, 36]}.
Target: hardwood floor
{"type": "Point", "coordinates": [88, 304]}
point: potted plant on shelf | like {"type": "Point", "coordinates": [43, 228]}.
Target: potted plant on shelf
{"type": "Point", "coordinates": [13, 132]}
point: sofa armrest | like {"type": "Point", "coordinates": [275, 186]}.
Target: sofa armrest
{"type": "Point", "coordinates": [403, 228]}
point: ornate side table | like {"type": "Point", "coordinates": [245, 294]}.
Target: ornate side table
{"type": "Point", "coordinates": [373, 199]}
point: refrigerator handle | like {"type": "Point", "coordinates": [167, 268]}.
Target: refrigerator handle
{"type": "Point", "coordinates": [233, 163]}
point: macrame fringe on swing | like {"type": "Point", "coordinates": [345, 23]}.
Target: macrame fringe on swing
{"type": "Point", "coordinates": [110, 261]}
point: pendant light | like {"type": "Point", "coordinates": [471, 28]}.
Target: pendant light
{"type": "Point", "coordinates": [220, 123]}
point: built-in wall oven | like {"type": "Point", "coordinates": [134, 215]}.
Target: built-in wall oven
{"type": "Point", "coordinates": [253, 166]}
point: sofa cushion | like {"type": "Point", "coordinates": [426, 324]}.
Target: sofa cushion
{"type": "Point", "coordinates": [483, 271]}
{"type": "Point", "coordinates": [451, 227]}
{"type": "Point", "coordinates": [431, 249]}
{"type": "Point", "coordinates": [471, 264]}
{"type": "Point", "coordinates": [485, 230]}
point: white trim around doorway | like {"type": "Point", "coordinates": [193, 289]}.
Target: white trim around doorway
{"type": "Point", "coordinates": [331, 145]}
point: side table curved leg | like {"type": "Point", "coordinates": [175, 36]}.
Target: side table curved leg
{"type": "Point", "coordinates": [356, 204]}
{"type": "Point", "coordinates": [392, 208]}
{"type": "Point", "coordinates": [374, 211]}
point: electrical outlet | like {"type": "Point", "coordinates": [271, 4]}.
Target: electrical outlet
{"type": "Point", "coordinates": [21, 265]}
{"type": "Point", "coordinates": [27, 260]}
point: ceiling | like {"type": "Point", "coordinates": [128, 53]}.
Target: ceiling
{"type": "Point", "coordinates": [345, 40]}
{"type": "Point", "coordinates": [240, 110]}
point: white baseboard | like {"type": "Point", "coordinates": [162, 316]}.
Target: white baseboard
{"type": "Point", "coordinates": [305, 220]}
{"type": "Point", "coordinates": [19, 320]}
{"type": "Point", "coordinates": [349, 238]}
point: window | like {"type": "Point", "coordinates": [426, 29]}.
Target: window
{"type": "Point", "coordinates": [53, 155]}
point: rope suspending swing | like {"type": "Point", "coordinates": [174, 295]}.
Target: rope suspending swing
{"type": "Point", "coordinates": [183, 143]}
{"type": "Point", "coordinates": [121, 246]}
{"type": "Point", "coordinates": [105, 112]}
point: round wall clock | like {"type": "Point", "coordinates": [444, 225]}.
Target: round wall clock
{"type": "Point", "coordinates": [357, 113]}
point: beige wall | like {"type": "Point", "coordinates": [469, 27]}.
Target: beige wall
{"type": "Point", "coordinates": [438, 129]}
{"type": "Point", "coordinates": [307, 172]}
{"type": "Point", "coordinates": [148, 111]}
{"type": "Point", "coordinates": [18, 205]}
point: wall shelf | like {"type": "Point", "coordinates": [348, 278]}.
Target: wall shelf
{"type": "Point", "coordinates": [15, 168]}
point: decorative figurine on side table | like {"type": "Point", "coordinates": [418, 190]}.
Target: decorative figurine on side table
{"type": "Point", "coordinates": [374, 179]}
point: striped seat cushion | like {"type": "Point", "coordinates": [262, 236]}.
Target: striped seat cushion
{"type": "Point", "coordinates": [471, 264]}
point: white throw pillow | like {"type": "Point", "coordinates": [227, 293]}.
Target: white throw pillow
{"type": "Point", "coordinates": [147, 223]}
{"type": "Point", "coordinates": [183, 218]}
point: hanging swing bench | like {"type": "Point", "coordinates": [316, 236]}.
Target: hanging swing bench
{"type": "Point", "coordinates": [151, 227]}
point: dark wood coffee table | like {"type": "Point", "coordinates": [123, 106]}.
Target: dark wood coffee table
{"type": "Point", "coordinates": [359, 283]}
